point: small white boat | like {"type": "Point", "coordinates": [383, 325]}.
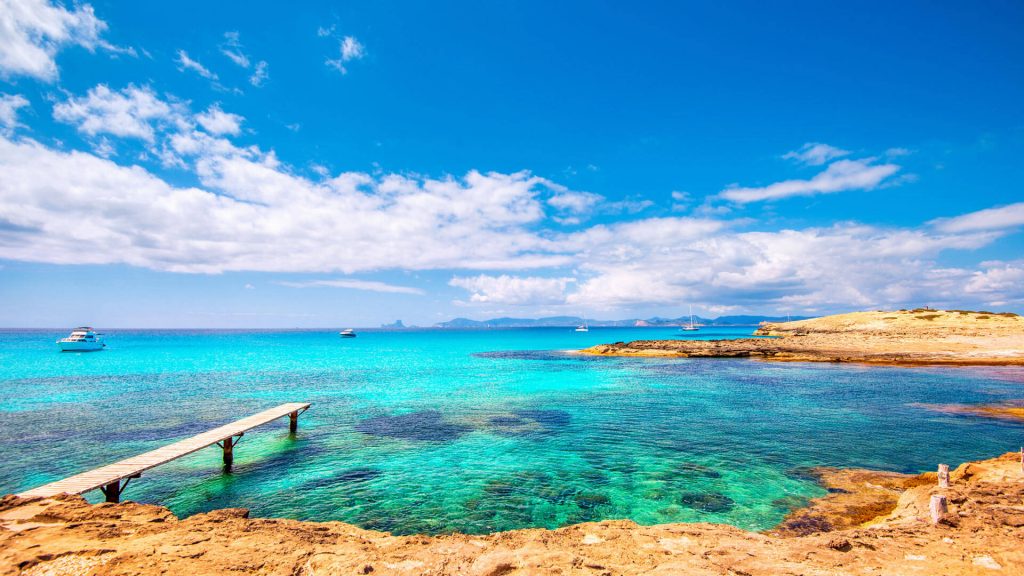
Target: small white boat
{"type": "Point", "coordinates": [691, 327]}
{"type": "Point", "coordinates": [583, 327]}
{"type": "Point", "coordinates": [82, 339]}
{"type": "Point", "coordinates": [347, 333]}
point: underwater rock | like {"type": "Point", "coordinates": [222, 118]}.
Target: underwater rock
{"type": "Point", "coordinates": [499, 488]}
{"type": "Point", "coordinates": [353, 476]}
{"type": "Point", "coordinates": [791, 502]}
{"type": "Point", "coordinates": [359, 475]}
{"type": "Point", "coordinates": [427, 425]}
{"type": "Point", "coordinates": [505, 421]}
{"type": "Point", "coordinates": [547, 418]}
{"type": "Point", "coordinates": [589, 500]}
{"type": "Point", "coordinates": [706, 501]}
{"type": "Point", "coordinates": [530, 422]}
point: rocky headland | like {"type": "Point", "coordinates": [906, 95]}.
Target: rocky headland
{"type": "Point", "coordinates": [870, 523]}
{"type": "Point", "coordinates": [909, 337]}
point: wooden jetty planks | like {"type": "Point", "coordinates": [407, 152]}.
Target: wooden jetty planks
{"type": "Point", "coordinates": [134, 466]}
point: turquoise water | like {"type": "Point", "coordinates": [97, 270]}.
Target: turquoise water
{"type": "Point", "coordinates": [477, 431]}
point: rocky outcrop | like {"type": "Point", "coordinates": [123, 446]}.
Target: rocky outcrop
{"type": "Point", "coordinates": [983, 533]}
{"type": "Point", "coordinates": [905, 337]}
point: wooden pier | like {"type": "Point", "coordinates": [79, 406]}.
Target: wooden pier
{"type": "Point", "coordinates": [113, 478]}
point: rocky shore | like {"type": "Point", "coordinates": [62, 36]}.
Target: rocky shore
{"type": "Point", "coordinates": [870, 523]}
{"type": "Point", "coordinates": [909, 337]}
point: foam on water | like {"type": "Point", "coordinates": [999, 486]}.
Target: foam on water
{"type": "Point", "coordinates": [476, 431]}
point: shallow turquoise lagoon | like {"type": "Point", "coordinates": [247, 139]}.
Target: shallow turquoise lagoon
{"type": "Point", "coordinates": [477, 431]}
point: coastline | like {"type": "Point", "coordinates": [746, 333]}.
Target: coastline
{"type": "Point", "coordinates": [902, 338]}
{"type": "Point", "coordinates": [871, 521]}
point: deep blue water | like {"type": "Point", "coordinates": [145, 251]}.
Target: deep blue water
{"type": "Point", "coordinates": [476, 431]}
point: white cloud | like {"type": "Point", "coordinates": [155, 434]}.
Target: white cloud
{"type": "Point", "coordinates": [217, 121]}
{"type": "Point", "coordinates": [232, 48]}
{"type": "Point", "coordinates": [252, 213]}
{"type": "Point", "coordinates": [574, 202]}
{"type": "Point", "coordinates": [1009, 216]}
{"type": "Point", "coordinates": [33, 31]}
{"type": "Point", "coordinates": [368, 285]}
{"type": "Point", "coordinates": [676, 261]}
{"type": "Point", "coordinates": [514, 290]}
{"type": "Point", "coordinates": [815, 154]}
{"type": "Point", "coordinates": [9, 106]}
{"type": "Point", "coordinates": [130, 112]}
{"type": "Point", "coordinates": [259, 74]}
{"type": "Point", "coordinates": [350, 49]}
{"type": "Point", "coordinates": [840, 176]}
{"type": "Point", "coordinates": [186, 63]}
{"type": "Point", "coordinates": [998, 281]}
{"type": "Point", "coordinates": [325, 31]}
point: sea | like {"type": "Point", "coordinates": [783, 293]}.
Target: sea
{"type": "Point", "coordinates": [477, 431]}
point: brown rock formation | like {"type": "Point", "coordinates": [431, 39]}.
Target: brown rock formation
{"type": "Point", "coordinates": [950, 337]}
{"type": "Point", "coordinates": [983, 533]}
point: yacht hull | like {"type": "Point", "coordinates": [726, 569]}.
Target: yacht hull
{"type": "Point", "coordinates": [80, 346]}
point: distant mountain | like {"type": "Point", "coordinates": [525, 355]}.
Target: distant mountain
{"type": "Point", "coordinates": [394, 325]}
{"type": "Point", "coordinates": [566, 321]}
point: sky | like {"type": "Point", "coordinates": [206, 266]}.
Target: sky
{"type": "Point", "coordinates": [258, 164]}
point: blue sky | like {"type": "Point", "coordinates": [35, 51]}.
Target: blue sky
{"type": "Point", "coordinates": [260, 165]}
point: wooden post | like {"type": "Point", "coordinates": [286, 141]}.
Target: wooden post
{"type": "Point", "coordinates": [937, 506]}
{"type": "Point", "coordinates": [229, 454]}
{"type": "Point", "coordinates": [112, 491]}
{"type": "Point", "coordinates": [293, 422]}
{"type": "Point", "coordinates": [943, 475]}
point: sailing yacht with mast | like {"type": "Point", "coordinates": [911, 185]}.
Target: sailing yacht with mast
{"type": "Point", "coordinates": [583, 327]}
{"type": "Point", "coordinates": [691, 327]}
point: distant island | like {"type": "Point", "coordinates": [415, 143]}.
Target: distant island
{"type": "Point", "coordinates": [567, 321]}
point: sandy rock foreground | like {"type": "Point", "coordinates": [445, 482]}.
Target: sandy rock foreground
{"type": "Point", "coordinates": [983, 533]}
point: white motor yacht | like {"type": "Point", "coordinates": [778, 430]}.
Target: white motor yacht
{"type": "Point", "coordinates": [347, 333]}
{"type": "Point", "coordinates": [82, 339]}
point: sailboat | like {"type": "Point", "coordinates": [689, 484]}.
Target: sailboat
{"type": "Point", "coordinates": [691, 327]}
{"type": "Point", "coordinates": [583, 327]}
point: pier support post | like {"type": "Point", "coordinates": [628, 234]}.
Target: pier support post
{"type": "Point", "coordinates": [937, 507]}
{"type": "Point", "coordinates": [229, 452]}
{"type": "Point", "coordinates": [943, 475]}
{"type": "Point", "coordinates": [293, 422]}
{"type": "Point", "coordinates": [112, 491]}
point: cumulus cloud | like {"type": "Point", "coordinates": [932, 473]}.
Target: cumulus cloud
{"type": "Point", "coordinates": [352, 284]}
{"type": "Point", "coordinates": [130, 112]}
{"type": "Point", "coordinates": [217, 121]}
{"type": "Point", "coordinates": [249, 211]}
{"type": "Point", "coordinates": [1009, 216]}
{"type": "Point", "coordinates": [840, 176]}
{"type": "Point", "coordinates": [9, 106]}
{"type": "Point", "coordinates": [252, 213]}
{"type": "Point", "coordinates": [33, 31]}
{"type": "Point", "coordinates": [815, 154]}
{"type": "Point", "coordinates": [644, 263]}
{"type": "Point", "coordinates": [998, 282]}
{"type": "Point", "coordinates": [186, 63]}
{"type": "Point", "coordinates": [513, 290]}
{"type": "Point", "coordinates": [350, 49]}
